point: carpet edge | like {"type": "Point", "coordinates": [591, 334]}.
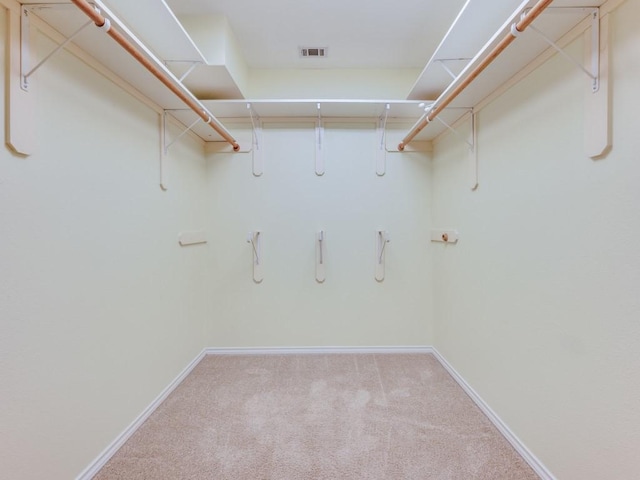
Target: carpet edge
{"type": "Point", "coordinates": [528, 456]}
{"type": "Point", "coordinates": [94, 467]}
{"type": "Point", "coordinates": [538, 467]}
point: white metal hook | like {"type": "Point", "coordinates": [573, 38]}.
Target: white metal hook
{"type": "Point", "coordinates": [384, 239]}
{"type": "Point", "coordinates": [250, 239]}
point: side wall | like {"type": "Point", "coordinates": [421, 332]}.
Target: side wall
{"type": "Point", "coordinates": [99, 307]}
{"type": "Point", "coordinates": [538, 304]}
{"type": "Point", "coordinates": [289, 204]}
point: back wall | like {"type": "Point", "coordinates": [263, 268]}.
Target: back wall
{"type": "Point", "coordinates": [289, 204]}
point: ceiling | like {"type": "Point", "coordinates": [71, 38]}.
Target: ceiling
{"type": "Point", "coordinates": [357, 33]}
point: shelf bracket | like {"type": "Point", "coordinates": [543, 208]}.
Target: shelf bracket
{"type": "Point", "coordinates": [320, 257]}
{"type": "Point", "coordinates": [167, 146]}
{"type": "Point", "coordinates": [445, 67]}
{"type": "Point", "coordinates": [164, 146]}
{"type": "Point", "coordinates": [473, 151]}
{"type": "Point", "coordinates": [597, 123]}
{"type": "Point", "coordinates": [192, 66]}
{"type": "Point", "coordinates": [594, 73]}
{"type": "Point", "coordinates": [256, 139]}
{"type": "Point", "coordinates": [254, 238]}
{"type": "Point", "coordinates": [472, 142]}
{"type": "Point", "coordinates": [382, 238]}
{"type": "Point", "coordinates": [381, 151]}
{"type": "Point", "coordinates": [163, 151]}
{"type": "Point", "coordinates": [20, 129]}
{"type": "Point", "coordinates": [464, 139]}
{"type": "Point", "coordinates": [25, 48]}
{"type": "Point", "coordinates": [319, 139]}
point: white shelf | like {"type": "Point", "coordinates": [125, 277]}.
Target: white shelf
{"type": "Point", "coordinates": [154, 26]}
{"type": "Point", "coordinates": [485, 24]}
{"type": "Point", "coordinates": [149, 23]}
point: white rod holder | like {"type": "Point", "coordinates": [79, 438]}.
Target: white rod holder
{"type": "Point", "coordinates": [382, 238]}
{"type": "Point", "coordinates": [254, 238]}
{"type": "Point", "coordinates": [444, 235]}
{"type": "Point", "coordinates": [321, 256]}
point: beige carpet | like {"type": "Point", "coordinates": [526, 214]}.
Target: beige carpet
{"type": "Point", "coordinates": [337, 416]}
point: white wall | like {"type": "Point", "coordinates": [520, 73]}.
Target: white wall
{"type": "Point", "coordinates": [289, 204]}
{"type": "Point", "coordinates": [99, 307]}
{"type": "Point", "coordinates": [537, 306]}
{"type": "Point", "coordinates": [334, 83]}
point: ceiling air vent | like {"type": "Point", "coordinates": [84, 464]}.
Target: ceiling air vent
{"type": "Point", "coordinates": [313, 52]}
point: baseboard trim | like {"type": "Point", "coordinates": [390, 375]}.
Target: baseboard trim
{"type": "Point", "coordinates": [506, 432]}
{"type": "Point", "coordinates": [511, 437]}
{"type": "Point", "coordinates": [95, 466]}
{"type": "Point", "coordinates": [317, 350]}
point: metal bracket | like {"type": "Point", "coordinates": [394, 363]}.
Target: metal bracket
{"type": "Point", "coordinates": [470, 144]}
{"type": "Point", "coordinates": [472, 141]}
{"type": "Point", "coordinates": [25, 58]}
{"type": "Point", "coordinates": [382, 238]}
{"type": "Point", "coordinates": [320, 257]}
{"type": "Point", "coordinates": [254, 238]}
{"type": "Point", "coordinates": [164, 146]}
{"type": "Point", "coordinates": [381, 157]}
{"type": "Point", "coordinates": [258, 157]}
{"type": "Point", "coordinates": [192, 67]}
{"type": "Point", "coordinates": [319, 138]}
{"type": "Point", "coordinates": [594, 73]}
{"type": "Point", "coordinates": [473, 151]}
{"type": "Point", "coordinates": [445, 67]}
{"type": "Point", "coordinates": [185, 131]}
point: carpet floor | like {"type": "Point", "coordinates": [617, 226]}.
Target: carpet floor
{"type": "Point", "coordinates": [311, 417]}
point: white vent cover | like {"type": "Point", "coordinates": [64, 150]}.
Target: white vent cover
{"type": "Point", "coordinates": [313, 51]}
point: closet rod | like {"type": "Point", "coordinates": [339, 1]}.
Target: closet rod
{"type": "Point", "coordinates": [185, 96]}
{"type": "Point", "coordinates": [441, 104]}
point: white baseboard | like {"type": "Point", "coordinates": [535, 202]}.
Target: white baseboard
{"type": "Point", "coordinates": [506, 432]}
{"type": "Point", "coordinates": [318, 350]}
{"type": "Point", "coordinates": [95, 466]}
{"type": "Point", "coordinates": [526, 454]}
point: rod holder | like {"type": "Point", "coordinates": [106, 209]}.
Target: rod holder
{"type": "Point", "coordinates": [254, 238]}
{"type": "Point", "coordinates": [382, 238]}
{"type": "Point", "coordinates": [320, 256]}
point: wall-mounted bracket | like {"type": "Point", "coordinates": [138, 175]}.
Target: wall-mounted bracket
{"type": "Point", "coordinates": [192, 66]}
{"type": "Point", "coordinates": [597, 122]}
{"type": "Point", "coordinates": [256, 150]}
{"type": "Point", "coordinates": [319, 140]}
{"type": "Point", "coordinates": [20, 128]}
{"type": "Point", "coordinates": [255, 239]}
{"type": "Point", "coordinates": [25, 64]}
{"type": "Point", "coordinates": [382, 238]}
{"type": "Point", "coordinates": [191, 238]}
{"type": "Point", "coordinates": [443, 63]}
{"type": "Point", "coordinates": [381, 139]}
{"type": "Point", "coordinates": [594, 73]}
{"type": "Point", "coordinates": [167, 146]}
{"type": "Point", "coordinates": [163, 151]}
{"type": "Point", "coordinates": [320, 256]}
{"type": "Point", "coordinates": [164, 146]}
{"type": "Point", "coordinates": [473, 152]}
{"type": "Point", "coordinates": [449, 127]}
{"type": "Point", "coordinates": [444, 235]}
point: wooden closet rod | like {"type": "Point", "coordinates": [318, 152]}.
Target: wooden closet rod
{"type": "Point", "coordinates": [441, 104]}
{"type": "Point", "coordinates": [191, 102]}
